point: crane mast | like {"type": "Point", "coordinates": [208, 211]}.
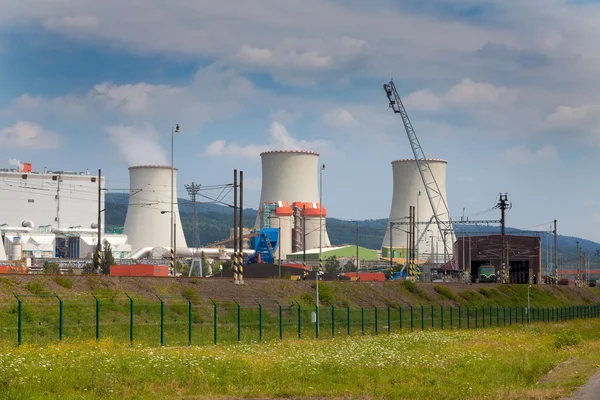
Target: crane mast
{"type": "Point", "coordinates": [441, 213]}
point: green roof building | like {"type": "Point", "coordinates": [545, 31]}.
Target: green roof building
{"type": "Point", "coordinates": [339, 252]}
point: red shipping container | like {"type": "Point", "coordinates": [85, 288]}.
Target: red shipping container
{"type": "Point", "coordinates": [11, 269]}
{"type": "Point", "coordinates": [139, 270]}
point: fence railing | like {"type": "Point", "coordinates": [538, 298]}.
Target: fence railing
{"type": "Point", "coordinates": [181, 321]}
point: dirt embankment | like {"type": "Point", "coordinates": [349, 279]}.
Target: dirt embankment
{"type": "Point", "coordinates": [287, 291]}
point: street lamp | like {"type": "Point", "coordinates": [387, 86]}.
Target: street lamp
{"type": "Point", "coordinates": [174, 129]}
{"type": "Point", "coordinates": [320, 239]}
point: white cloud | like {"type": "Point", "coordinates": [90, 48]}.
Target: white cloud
{"type": "Point", "coordinates": [279, 139]}
{"type": "Point", "coordinates": [523, 155]}
{"type": "Point", "coordinates": [339, 118]}
{"type": "Point", "coordinates": [77, 23]}
{"type": "Point", "coordinates": [138, 145]}
{"type": "Point", "coordinates": [423, 100]}
{"type": "Point", "coordinates": [25, 134]}
{"type": "Point", "coordinates": [595, 217]}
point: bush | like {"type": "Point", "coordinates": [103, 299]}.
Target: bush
{"type": "Point", "coordinates": [413, 288]}
{"type": "Point", "coordinates": [64, 282]}
{"type": "Point", "coordinates": [191, 294]}
{"type": "Point", "coordinates": [567, 337]}
{"type": "Point", "coordinates": [445, 292]}
{"type": "Point", "coordinates": [325, 292]}
{"type": "Point", "coordinates": [485, 292]}
{"type": "Point", "coordinates": [36, 287]}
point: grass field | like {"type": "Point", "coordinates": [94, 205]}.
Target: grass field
{"type": "Point", "coordinates": [496, 363]}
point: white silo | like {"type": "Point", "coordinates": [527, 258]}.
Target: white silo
{"type": "Point", "coordinates": [148, 220]}
{"type": "Point", "coordinates": [291, 176]}
{"type": "Point", "coordinates": [409, 190]}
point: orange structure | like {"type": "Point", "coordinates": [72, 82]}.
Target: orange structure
{"type": "Point", "coordinates": [139, 270]}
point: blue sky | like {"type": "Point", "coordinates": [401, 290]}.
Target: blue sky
{"type": "Point", "coordinates": [506, 91]}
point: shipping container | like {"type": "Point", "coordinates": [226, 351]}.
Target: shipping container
{"type": "Point", "coordinates": [139, 270]}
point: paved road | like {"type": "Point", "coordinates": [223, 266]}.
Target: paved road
{"type": "Point", "coordinates": [589, 391]}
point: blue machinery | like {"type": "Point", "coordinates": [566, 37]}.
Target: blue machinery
{"type": "Point", "coordinates": [264, 244]}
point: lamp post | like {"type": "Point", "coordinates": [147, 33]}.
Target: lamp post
{"type": "Point", "coordinates": [174, 129]}
{"type": "Point", "coordinates": [320, 239]}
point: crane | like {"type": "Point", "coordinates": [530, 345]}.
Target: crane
{"type": "Point", "coordinates": [441, 213]}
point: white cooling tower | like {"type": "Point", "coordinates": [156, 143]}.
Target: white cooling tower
{"type": "Point", "coordinates": [409, 190]}
{"type": "Point", "coordinates": [291, 176]}
{"type": "Point", "coordinates": [150, 194]}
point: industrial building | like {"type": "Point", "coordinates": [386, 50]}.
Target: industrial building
{"type": "Point", "coordinates": [289, 200]}
{"type": "Point", "coordinates": [524, 255]}
{"type": "Point", "coordinates": [341, 253]}
{"type": "Point", "coordinates": [51, 214]}
{"type": "Point", "coordinates": [409, 190]}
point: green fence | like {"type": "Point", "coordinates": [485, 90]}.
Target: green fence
{"type": "Point", "coordinates": [179, 321]}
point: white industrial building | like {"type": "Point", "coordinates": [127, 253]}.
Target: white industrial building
{"type": "Point", "coordinates": [290, 199]}
{"type": "Point", "coordinates": [148, 221]}
{"type": "Point", "coordinates": [50, 214]}
{"type": "Point", "coordinates": [409, 190]}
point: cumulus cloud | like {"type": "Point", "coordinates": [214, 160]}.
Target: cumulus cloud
{"type": "Point", "coordinates": [339, 118]}
{"type": "Point", "coordinates": [523, 155]}
{"type": "Point", "coordinates": [25, 134]}
{"type": "Point", "coordinates": [279, 138]}
{"type": "Point", "coordinates": [138, 145]}
{"type": "Point", "coordinates": [76, 23]}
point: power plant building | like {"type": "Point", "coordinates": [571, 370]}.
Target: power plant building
{"type": "Point", "coordinates": [409, 190]}
{"type": "Point", "coordinates": [290, 199]}
{"type": "Point", "coordinates": [50, 214]}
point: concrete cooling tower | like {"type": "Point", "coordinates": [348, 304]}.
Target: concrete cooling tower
{"type": "Point", "coordinates": [409, 190]}
{"type": "Point", "coordinates": [150, 194]}
{"type": "Point", "coordinates": [290, 179]}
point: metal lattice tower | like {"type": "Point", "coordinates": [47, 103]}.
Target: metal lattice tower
{"type": "Point", "coordinates": [193, 190]}
{"type": "Point", "coordinates": [434, 194]}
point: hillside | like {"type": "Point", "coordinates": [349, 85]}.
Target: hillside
{"type": "Point", "coordinates": [215, 222]}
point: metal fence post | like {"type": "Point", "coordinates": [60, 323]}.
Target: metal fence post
{"type": "Point", "coordinates": [317, 320]}
{"type": "Point", "coordinates": [299, 320]}
{"type": "Point", "coordinates": [332, 320]}
{"type": "Point", "coordinates": [97, 317]}
{"type": "Point", "coordinates": [389, 319]}
{"type": "Point", "coordinates": [432, 316]}
{"type": "Point", "coordinates": [442, 316]}
{"type": "Point", "coordinates": [451, 327]}
{"type": "Point", "coordinates": [491, 317]}
{"type": "Point", "coordinates": [468, 318]}
{"type": "Point", "coordinates": [362, 319]}
{"type": "Point", "coordinates": [476, 318]}
{"type": "Point", "coordinates": [348, 318]}
{"type": "Point", "coordinates": [376, 322]}
{"type": "Point", "coordinates": [162, 322]}
{"type": "Point", "coordinates": [497, 316]}
{"type": "Point", "coordinates": [215, 311]}
{"type": "Point", "coordinates": [412, 321]}
{"type": "Point", "coordinates": [482, 316]}
{"type": "Point", "coordinates": [60, 317]}
{"type": "Point", "coordinates": [280, 322]}
{"type": "Point", "coordinates": [510, 316]}
{"type": "Point", "coordinates": [400, 311]}
{"type": "Point", "coordinates": [190, 322]}
{"type": "Point", "coordinates": [239, 322]}
{"type": "Point", "coordinates": [422, 317]}
{"type": "Point", "coordinates": [19, 320]}
{"type": "Point", "coordinates": [260, 326]}
{"type": "Point", "coordinates": [459, 318]}
{"type": "Point", "coordinates": [131, 305]}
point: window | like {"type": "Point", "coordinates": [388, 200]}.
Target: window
{"type": "Point", "coordinates": [24, 176]}
{"type": "Point", "coordinates": [93, 179]}
{"type": "Point", "coordinates": [30, 200]}
{"type": "Point", "coordinates": [54, 177]}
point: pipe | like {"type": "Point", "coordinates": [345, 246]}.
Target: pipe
{"type": "Point", "coordinates": [28, 224]}
{"type": "Point", "coordinates": [185, 252]}
{"type": "Point", "coordinates": [72, 230]}
{"type": "Point", "coordinates": [14, 229]}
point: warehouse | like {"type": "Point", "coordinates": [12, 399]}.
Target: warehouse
{"type": "Point", "coordinates": [524, 255]}
{"type": "Point", "coordinates": [341, 253]}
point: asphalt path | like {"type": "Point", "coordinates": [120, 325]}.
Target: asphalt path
{"type": "Point", "coordinates": [589, 391]}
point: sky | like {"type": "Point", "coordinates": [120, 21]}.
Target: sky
{"type": "Point", "coordinates": [505, 90]}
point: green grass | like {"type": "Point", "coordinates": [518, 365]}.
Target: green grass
{"type": "Point", "coordinates": [64, 282]}
{"type": "Point", "coordinates": [505, 363]}
{"type": "Point", "coordinates": [445, 292]}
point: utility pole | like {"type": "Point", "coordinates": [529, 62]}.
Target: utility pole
{"type": "Point", "coordinates": [304, 235]}
{"type": "Point", "coordinates": [241, 233]}
{"type": "Point", "coordinates": [555, 253]}
{"type": "Point", "coordinates": [357, 262]}
{"type": "Point", "coordinates": [98, 255]}
{"type": "Point", "coordinates": [279, 248]}
{"type": "Point", "coordinates": [193, 190]}
{"type": "Point", "coordinates": [503, 205]}
{"type": "Point", "coordinates": [235, 215]}
{"type": "Point", "coordinates": [578, 273]}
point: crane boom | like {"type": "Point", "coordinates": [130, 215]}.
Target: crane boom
{"type": "Point", "coordinates": [441, 213]}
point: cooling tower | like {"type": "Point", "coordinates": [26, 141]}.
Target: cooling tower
{"type": "Point", "coordinates": [409, 190]}
{"type": "Point", "coordinates": [292, 176]}
{"type": "Point", "coordinates": [150, 194]}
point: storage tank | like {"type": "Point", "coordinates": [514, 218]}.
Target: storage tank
{"type": "Point", "coordinates": [149, 211]}
{"type": "Point", "coordinates": [291, 176]}
{"type": "Point", "coordinates": [2, 251]}
{"type": "Point", "coordinates": [16, 249]}
{"type": "Point", "coordinates": [409, 190]}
